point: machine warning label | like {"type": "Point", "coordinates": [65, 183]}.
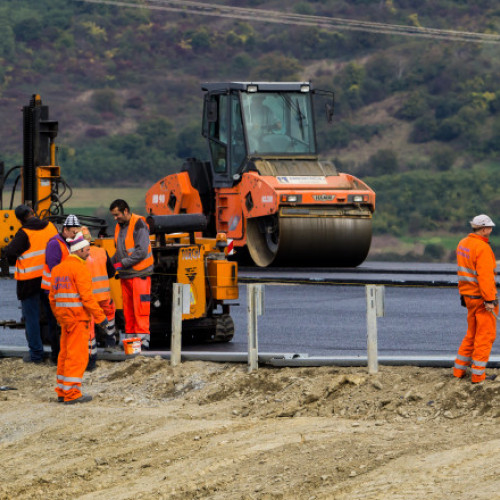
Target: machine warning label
{"type": "Point", "coordinates": [190, 253]}
{"type": "Point", "coordinates": [301, 179]}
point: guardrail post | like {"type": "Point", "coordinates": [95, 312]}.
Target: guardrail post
{"type": "Point", "coordinates": [374, 309]}
{"type": "Point", "coordinates": [255, 308]}
{"type": "Point", "coordinates": [180, 306]}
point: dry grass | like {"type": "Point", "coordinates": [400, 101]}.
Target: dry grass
{"type": "Point", "coordinates": [102, 197]}
{"type": "Point", "coordinates": [92, 198]}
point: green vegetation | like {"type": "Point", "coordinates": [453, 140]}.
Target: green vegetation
{"type": "Point", "coordinates": [124, 85]}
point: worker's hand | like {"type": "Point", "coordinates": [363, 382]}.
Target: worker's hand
{"type": "Point", "coordinates": [103, 324]}
{"type": "Point", "coordinates": [118, 266]}
{"type": "Point", "coordinates": [490, 306]}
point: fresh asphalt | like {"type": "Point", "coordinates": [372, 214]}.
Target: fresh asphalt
{"type": "Point", "coordinates": [306, 316]}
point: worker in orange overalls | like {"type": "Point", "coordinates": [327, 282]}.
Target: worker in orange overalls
{"type": "Point", "coordinates": [476, 284]}
{"type": "Point", "coordinates": [56, 251]}
{"type": "Point", "coordinates": [74, 305]}
{"type": "Point", "coordinates": [134, 262]}
{"type": "Point", "coordinates": [101, 270]}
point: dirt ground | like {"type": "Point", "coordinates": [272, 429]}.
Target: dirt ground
{"type": "Point", "coordinates": [208, 430]}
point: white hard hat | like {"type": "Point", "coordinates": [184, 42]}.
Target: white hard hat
{"type": "Point", "coordinates": [482, 221]}
{"type": "Point", "coordinates": [71, 221]}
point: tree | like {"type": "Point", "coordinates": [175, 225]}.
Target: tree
{"type": "Point", "coordinates": [384, 161]}
{"type": "Point", "coordinates": [276, 66]}
{"type": "Point", "coordinates": [159, 134]}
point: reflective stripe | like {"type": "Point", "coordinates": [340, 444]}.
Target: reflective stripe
{"type": "Point", "coordinates": [44, 282]}
{"type": "Point", "coordinates": [69, 387]}
{"type": "Point", "coordinates": [479, 363]}
{"type": "Point", "coordinates": [467, 278]}
{"type": "Point", "coordinates": [29, 269]}
{"type": "Point", "coordinates": [31, 254]}
{"type": "Point", "coordinates": [72, 379]}
{"type": "Point", "coordinates": [463, 358]}
{"type": "Point", "coordinates": [461, 367]}
{"type": "Point", "coordinates": [69, 304]}
{"type": "Point", "coordinates": [466, 270]}
{"type": "Point", "coordinates": [101, 290]}
{"type": "Point", "coordinates": [99, 278]}
{"type": "Point", "coordinates": [66, 295]}
{"type": "Point", "coordinates": [130, 250]}
{"type": "Point", "coordinates": [477, 371]}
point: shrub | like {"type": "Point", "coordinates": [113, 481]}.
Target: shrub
{"type": "Point", "coordinates": [424, 129]}
{"type": "Point", "coordinates": [384, 161]}
{"type": "Point", "coordinates": [105, 101]}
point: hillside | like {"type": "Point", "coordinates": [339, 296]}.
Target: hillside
{"type": "Point", "coordinates": [124, 84]}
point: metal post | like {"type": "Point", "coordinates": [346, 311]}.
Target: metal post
{"type": "Point", "coordinates": [255, 308]}
{"type": "Point", "coordinates": [374, 309]}
{"type": "Point", "coordinates": [176, 338]}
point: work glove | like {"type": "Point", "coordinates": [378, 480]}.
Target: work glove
{"type": "Point", "coordinates": [103, 324]}
{"type": "Point", "coordinates": [110, 341]}
{"type": "Point", "coordinates": [118, 266]}
{"type": "Point", "coordinates": [462, 301]}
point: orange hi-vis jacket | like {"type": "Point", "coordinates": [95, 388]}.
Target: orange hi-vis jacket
{"type": "Point", "coordinates": [96, 263]}
{"type": "Point", "coordinates": [130, 243]}
{"type": "Point", "coordinates": [71, 295]}
{"type": "Point", "coordinates": [476, 268]}
{"type": "Point", "coordinates": [29, 265]}
{"type": "Point", "coordinates": [46, 278]}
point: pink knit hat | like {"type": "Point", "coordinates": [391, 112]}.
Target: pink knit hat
{"type": "Point", "coordinates": [77, 243]}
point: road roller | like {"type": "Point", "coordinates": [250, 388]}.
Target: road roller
{"type": "Point", "coordinates": [264, 184]}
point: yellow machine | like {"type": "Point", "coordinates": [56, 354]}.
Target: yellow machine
{"type": "Point", "coordinates": [39, 175]}
{"type": "Point", "coordinates": [178, 258]}
{"type": "Point", "coordinates": [182, 257]}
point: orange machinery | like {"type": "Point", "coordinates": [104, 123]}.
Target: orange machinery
{"type": "Point", "coordinates": [265, 185]}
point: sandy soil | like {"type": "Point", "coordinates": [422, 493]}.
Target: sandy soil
{"type": "Point", "coordinates": [207, 430]}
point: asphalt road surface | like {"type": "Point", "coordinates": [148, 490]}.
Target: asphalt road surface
{"type": "Point", "coordinates": [326, 320]}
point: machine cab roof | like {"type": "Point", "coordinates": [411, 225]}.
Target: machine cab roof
{"type": "Point", "coordinates": [244, 120]}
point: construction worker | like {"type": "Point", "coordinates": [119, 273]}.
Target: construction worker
{"type": "Point", "coordinates": [134, 262]}
{"type": "Point", "coordinates": [476, 284]}
{"type": "Point", "coordinates": [74, 305]}
{"type": "Point", "coordinates": [27, 250]}
{"type": "Point", "coordinates": [57, 250]}
{"type": "Point", "coordinates": [101, 270]}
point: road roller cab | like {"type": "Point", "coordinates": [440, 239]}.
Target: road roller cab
{"type": "Point", "coordinates": [264, 184]}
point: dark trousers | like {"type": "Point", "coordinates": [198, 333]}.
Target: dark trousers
{"type": "Point", "coordinates": [30, 307]}
{"type": "Point", "coordinates": [31, 313]}
{"type": "Point", "coordinates": [53, 327]}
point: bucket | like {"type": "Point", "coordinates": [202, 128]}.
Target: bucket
{"type": "Point", "coordinates": [132, 346]}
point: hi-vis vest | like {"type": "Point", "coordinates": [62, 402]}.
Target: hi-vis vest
{"type": "Point", "coordinates": [29, 265]}
{"type": "Point", "coordinates": [130, 243]}
{"type": "Point", "coordinates": [96, 262]}
{"type": "Point", "coordinates": [46, 278]}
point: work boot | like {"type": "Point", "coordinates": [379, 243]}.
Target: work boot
{"type": "Point", "coordinates": [60, 399]}
{"type": "Point", "coordinates": [85, 398]}
{"type": "Point", "coordinates": [92, 364]}
{"type": "Point", "coordinates": [491, 377]}
{"type": "Point", "coordinates": [27, 359]}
